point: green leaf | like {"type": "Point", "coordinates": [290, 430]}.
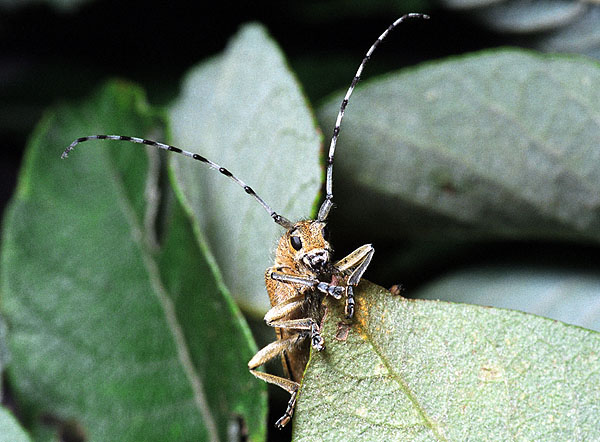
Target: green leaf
{"type": "Point", "coordinates": [526, 16]}
{"type": "Point", "coordinates": [11, 431]}
{"type": "Point", "coordinates": [563, 294]}
{"type": "Point", "coordinates": [132, 339]}
{"type": "Point", "coordinates": [501, 144]}
{"type": "Point", "coordinates": [4, 355]}
{"type": "Point", "coordinates": [423, 370]}
{"type": "Point", "coordinates": [245, 111]}
{"type": "Point", "coordinates": [468, 4]}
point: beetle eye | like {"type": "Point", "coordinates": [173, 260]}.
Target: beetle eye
{"type": "Point", "coordinates": [296, 242]}
{"type": "Point", "coordinates": [325, 233]}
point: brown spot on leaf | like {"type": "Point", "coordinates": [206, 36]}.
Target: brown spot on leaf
{"type": "Point", "coordinates": [361, 316]}
{"type": "Point", "coordinates": [342, 331]}
{"type": "Point", "coordinates": [491, 373]}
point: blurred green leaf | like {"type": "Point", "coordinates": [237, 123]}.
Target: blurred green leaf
{"type": "Point", "coordinates": [579, 36]}
{"type": "Point", "coordinates": [11, 431]}
{"type": "Point", "coordinates": [566, 295]}
{"type": "Point", "coordinates": [500, 144]}
{"type": "Point", "coordinates": [131, 339]}
{"type": "Point", "coordinates": [468, 4]}
{"type": "Point", "coordinates": [4, 356]}
{"type": "Point", "coordinates": [245, 111]}
{"type": "Point", "coordinates": [526, 16]}
{"type": "Point", "coordinates": [423, 370]}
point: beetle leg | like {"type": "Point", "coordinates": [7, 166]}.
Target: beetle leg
{"type": "Point", "coordinates": [290, 386]}
{"type": "Point", "coordinates": [307, 324]}
{"type": "Point", "coordinates": [355, 264]}
{"type": "Point", "coordinates": [264, 355]}
{"type": "Point", "coordinates": [349, 308]}
{"type": "Point", "coordinates": [284, 309]}
{"type": "Point", "coordinates": [323, 287]}
{"type": "Point", "coordinates": [273, 350]}
{"type": "Point", "coordinates": [273, 319]}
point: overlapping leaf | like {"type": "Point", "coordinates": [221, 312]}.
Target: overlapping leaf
{"type": "Point", "coordinates": [569, 295]}
{"type": "Point", "coordinates": [499, 144]}
{"type": "Point", "coordinates": [244, 111]}
{"type": "Point", "coordinates": [423, 371]}
{"type": "Point", "coordinates": [131, 339]}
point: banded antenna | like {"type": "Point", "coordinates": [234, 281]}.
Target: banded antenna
{"type": "Point", "coordinates": [281, 220]}
{"type": "Point", "coordinates": [328, 203]}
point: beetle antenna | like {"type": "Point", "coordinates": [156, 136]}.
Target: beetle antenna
{"type": "Point", "coordinates": [328, 203]}
{"type": "Point", "coordinates": [279, 219]}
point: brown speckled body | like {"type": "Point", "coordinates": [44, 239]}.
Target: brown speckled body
{"type": "Point", "coordinates": [289, 261]}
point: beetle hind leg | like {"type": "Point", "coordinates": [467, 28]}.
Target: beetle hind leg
{"type": "Point", "coordinates": [289, 412]}
{"type": "Point", "coordinates": [269, 352]}
{"type": "Point", "coordinates": [290, 386]}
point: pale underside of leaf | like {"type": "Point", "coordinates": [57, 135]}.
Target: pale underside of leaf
{"type": "Point", "coordinates": [10, 430]}
{"type": "Point", "coordinates": [567, 295]}
{"type": "Point", "coordinates": [244, 111]}
{"type": "Point", "coordinates": [526, 16]}
{"type": "Point", "coordinates": [422, 370]}
{"type": "Point", "coordinates": [499, 144]}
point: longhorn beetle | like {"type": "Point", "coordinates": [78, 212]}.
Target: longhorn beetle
{"type": "Point", "coordinates": [303, 273]}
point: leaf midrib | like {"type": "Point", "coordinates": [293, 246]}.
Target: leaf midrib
{"type": "Point", "coordinates": [183, 354]}
{"type": "Point", "coordinates": [429, 422]}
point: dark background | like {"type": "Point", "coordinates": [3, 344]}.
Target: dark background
{"type": "Point", "coordinates": [49, 55]}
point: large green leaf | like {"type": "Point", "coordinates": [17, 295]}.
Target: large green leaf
{"type": "Point", "coordinates": [526, 16]}
{"type": "Point", "coordinates": [244, 111]}
{"type": "Point", "coordinates": [502, 143]}
{"type": "Point", "coordinates": [4, 357]}
{"type": "Point", "coordinates": [132, 339]}
{"type": "Point", "coordinates": [568, 295]}
{"type": "Point", "coordinates": [421, 370]}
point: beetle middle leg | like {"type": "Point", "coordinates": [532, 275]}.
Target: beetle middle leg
{"type": "Point", "coordinates": [307, 324]}
{"type": "Point", "coordinates": [274, 318]}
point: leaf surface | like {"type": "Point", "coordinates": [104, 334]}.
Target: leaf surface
{"type": "Point", "coordinates": [422, 371]}
{"type": "Point", "coordinates": [11, 430]}
{"type": "Point", "coordinates": [500, 144]}
{"type": "Point", "coordinates": [525, 16]}
{"type": "Point", "coordinates": [567, 295]}
{"type": "Point", "coordinates": [132, 339]}
{"type": "Point", "coordinates": [245, 111]}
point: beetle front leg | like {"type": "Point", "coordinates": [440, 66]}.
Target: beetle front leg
{"type": "Point", "coordinates": [323, 287]}
{"type": "Point", "coordinates": [349, 308]}
{"type": "Point", "coordinates": [355, 265]}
